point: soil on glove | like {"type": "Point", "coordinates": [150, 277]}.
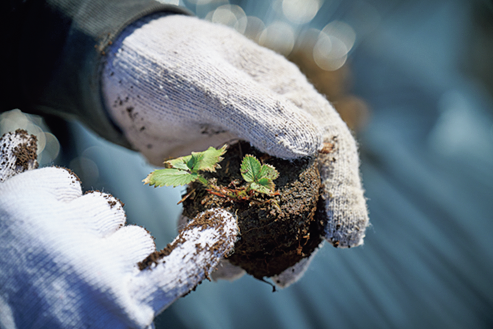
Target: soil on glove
{"type": "Point", "coordinates": [275, 232]}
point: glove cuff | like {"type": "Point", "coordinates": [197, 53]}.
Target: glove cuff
{"type": "Point", "coordinates": [70, 39]}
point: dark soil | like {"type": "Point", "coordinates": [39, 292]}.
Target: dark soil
{"type": "Point", "coordinates": [204, 221]}
{"type": "Point", "coordinates": [271, 239]}
{"type": "Point", "coordinates": [26, 152]}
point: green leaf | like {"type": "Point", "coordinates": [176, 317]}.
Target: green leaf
{"type": "Point", "coordinates": [268, 171]}
{"type": "Point", "coordinates": [170, 177]}
{"type": "Point", "coordinates": [209, 159]}
{"type": "Point", "coordinates": [250, 168]}
{"type": "Point", "coordinates": [178, 163]}
{"type": "Point", "coordinates": [258, 175]}
{"type": "Point", "coordinates": [266, 182]}
{"type": "Point", "coordinates": [264, 185]}
{"type": "Point", "coordinates": [194, 161]}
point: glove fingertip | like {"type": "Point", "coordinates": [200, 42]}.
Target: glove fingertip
{"type": "Point", "coordinates": [137, 242]}
{"type": "Point", "coordinates": [106, 212]}
{"type": "Point", "coordinates": [346, 228]}
{"type": "Point", "coordinates": [174, 271]}
{"type": "Point", "coordinates": [52, 182]}
{"type": "Point", "coordinates": [284, 136]}
{"type": "Point", "coordinates": [295, 144]}
{"type": "Point", "coordinates": [17, 153]}
{"type": "Point", "coordinates": [293, 273]}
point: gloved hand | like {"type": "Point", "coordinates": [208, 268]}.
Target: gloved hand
{"type": "Point", "coordinates": [177, 84]}
{"type": "Point", "coordinates": [68, 261]}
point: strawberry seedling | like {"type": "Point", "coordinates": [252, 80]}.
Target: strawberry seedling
{"type": "Point", "coordinates": [185, 170]}
{"type": "Point", "coordinates": [278, 228]}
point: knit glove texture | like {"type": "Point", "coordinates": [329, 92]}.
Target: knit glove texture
{"type": "Point", "coordinates": [68, 260]}
{"type": "Point", "coordinates": [177, 84]}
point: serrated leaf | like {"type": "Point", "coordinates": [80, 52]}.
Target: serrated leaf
{"type": "Point", "coordinates": [264, 185]}
{"type": "Point", "coordinates": [267, 182]}
{"type": "Point", "coordinates": [208, 160]}
{"type": "Point", "coordinates": [250, 168]}
{"type": "Point", "coordinates": [170, 177]}
{"type": "Point", "coordinates": [268, 171]}
{"type": "Point", "coordinates": [194, 162]}
{"type": "Point", "coordinates": [178, 163]}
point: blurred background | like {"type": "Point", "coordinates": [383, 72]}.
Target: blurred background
{"type": "Point", "coordinates": [414, 81]}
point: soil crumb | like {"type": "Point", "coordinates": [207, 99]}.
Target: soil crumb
{"type": "Point", "coordinates": [205, 221]}
{"type": "Point", "coordinates": [26, 152]}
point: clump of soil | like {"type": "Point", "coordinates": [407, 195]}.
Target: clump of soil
{"type": "Point", "coordinates": [275, 232]}
{"type": "Point", "coordinates": [17, 153]}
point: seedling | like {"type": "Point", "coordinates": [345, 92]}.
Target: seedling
{"type": "Point", "coordinates": [185, 170]}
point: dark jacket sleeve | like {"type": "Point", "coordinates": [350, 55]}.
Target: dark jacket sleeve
{"type": "Point", "coordinates": [53, 52]}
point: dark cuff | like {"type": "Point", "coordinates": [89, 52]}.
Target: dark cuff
{"type": "Point", "coordinates": [61, 52]}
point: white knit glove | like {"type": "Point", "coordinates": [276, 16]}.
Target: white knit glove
{"type": "Point", "coordinates": [177, 84]}
{"type": "Point", "coordinates": [68, 261]}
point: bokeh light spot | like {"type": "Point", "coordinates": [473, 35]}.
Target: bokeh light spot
{"type": "Point", "coordinates": [342, 31]}
{"type": "Point", "coordinates": [300, 11]}
{"type": "Point", "coordinates": [279, 37]}
{"type": "Point", "coordinates": [253, 27]}
{"type": "Point", "coordinates": [229, 15]}
{"type": "Point", "coordinates": [329, 53]}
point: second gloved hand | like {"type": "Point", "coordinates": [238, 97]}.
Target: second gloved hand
{"type": "Point", "coordinates": [68, 260]}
